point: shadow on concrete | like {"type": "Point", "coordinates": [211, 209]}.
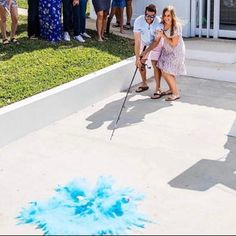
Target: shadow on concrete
{"type": "Point", "coordinates": [133, 112]}
{"type": "Point", "coordinates": [205, 174]}
{"type": "Point", "coordinates": [210, 93]}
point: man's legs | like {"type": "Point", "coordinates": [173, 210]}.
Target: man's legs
{"type": "Point", "coordinates": [143, 73]}
{"type": "Point", "coordinates": [33, 18]}
{"type": "Point", "coordinates": [82, 15]}
{"type": "Point", "coordinates": [111, 15]}
{"type": "Point", "coordinates": [66, 15]}
{"type": "Point", "coordinates": [129, 12]}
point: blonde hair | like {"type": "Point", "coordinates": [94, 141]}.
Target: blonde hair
{"type": "Point", "coordinates": [175, 21]}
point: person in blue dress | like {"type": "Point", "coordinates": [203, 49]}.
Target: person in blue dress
{"type": "Point", "coordinates": [50, 20]}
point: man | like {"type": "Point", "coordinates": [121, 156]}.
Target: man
{"type": "Point", "coordinates": [68, 7]}
{"type": "Point", "coordinates": [145, 29]}
{"type": "Point", "coordinates": [33, 19]}
{"type": "Point", "coordinates": [82, 10]}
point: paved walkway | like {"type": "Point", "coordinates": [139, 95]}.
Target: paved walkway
{"type": "Point", "coordinates": [178, 154]}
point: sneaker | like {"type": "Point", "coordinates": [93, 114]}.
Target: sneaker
{"type": "Point", "coordinates": [79, 38]}
{"type": "Point", "coordinates": [66, 36]}
{"type": "Point", "coordinates": [127, 27]}
{"type": "Point", "coordinates": [86, 35]}
{"type": "Point", "coordinates": [33, 37]}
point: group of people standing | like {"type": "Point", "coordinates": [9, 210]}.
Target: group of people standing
{"type": "Point", "coordinates": [44, 19]}
{"type": "Point", "coordinates": [161, 41]}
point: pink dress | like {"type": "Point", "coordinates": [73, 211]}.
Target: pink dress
{"type": "Point", "coordinates": [172, 59]}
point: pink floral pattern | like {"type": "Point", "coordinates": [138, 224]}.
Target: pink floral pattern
{"type": "Point", "coordinates": [172, 59]}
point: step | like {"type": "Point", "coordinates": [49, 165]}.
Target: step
{"type": "Point", "coordinates": [222, 51]}
{"type": "Point", "coordinates": [211, 70]}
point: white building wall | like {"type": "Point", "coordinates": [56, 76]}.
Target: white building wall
{"type": "Point", "coordinates": [182, 10]}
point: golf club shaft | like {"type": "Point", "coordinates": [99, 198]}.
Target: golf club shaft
{"type": "Point", "coordinates": [125, 98]}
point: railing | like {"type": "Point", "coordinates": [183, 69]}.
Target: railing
{"type": "Point", "coordinates": [201, 11]}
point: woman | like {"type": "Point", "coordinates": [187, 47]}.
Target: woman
{"type": "Point", "coordinates": [102, 8]}
{"type": "Point", "coordinates": [50, 20]}
{"type": "Point", "coordinates": [8, 7]}
{"type": "Point", "coordinates": [172, 59]}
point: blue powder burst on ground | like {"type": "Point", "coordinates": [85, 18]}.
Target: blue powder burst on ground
{"type": "Point", "coordinates": [76, 209]}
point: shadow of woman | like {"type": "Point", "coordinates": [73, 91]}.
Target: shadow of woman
{"type": "Point", "coordinates": [135, 110]}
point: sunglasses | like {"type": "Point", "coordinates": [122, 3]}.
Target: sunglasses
{"type": "Point", "coordinates": [149, 16]}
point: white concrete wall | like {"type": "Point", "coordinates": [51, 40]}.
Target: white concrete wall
{"type": "Point", "coordinates": [182, 9]}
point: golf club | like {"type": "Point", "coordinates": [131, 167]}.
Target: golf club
{"type": "Point", "coordinates": [123, 105]}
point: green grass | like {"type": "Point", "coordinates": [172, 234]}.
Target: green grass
{"type": "Point", "coordinates": [22, 3]}
{"type": "Point", "coordinates": [36, 66]}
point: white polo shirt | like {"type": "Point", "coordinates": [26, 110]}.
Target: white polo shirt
{"type": "Point", "coordinates": [148, 32]}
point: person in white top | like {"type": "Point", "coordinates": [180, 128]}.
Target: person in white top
{"type": "Point", "coordinates": [145, 31]}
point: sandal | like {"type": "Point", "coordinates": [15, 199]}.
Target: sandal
{"type": "Point", "coordinates": [168, 92]}
{"type": "Point", "coordinates": [14, 40]}
{"type": "Point", "coordinates": [172, 97]}
{"type": "Point", "coordinates": [127, 27]}
{"type": "Point", "coordinates": [141, 89]}
{"type": "Point", "coordinates": [157, 95]}
{"type": "Point", "coordinates": [116, 25]}
{"type": "Point", "coordinates": [5, 41]}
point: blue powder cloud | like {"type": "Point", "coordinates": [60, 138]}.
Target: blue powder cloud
{"type": "Point", "coordinates": [77, 209]}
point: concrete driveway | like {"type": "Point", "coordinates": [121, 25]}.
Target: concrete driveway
{"type": "Point", "coordinates": [176, 153]}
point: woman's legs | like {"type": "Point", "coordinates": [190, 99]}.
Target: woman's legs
{"type": "Point", "coordinates": [100, 24]}
{"type": "Point", "coordinates": [157, 75]}
{"type": "Point", "coordinates": [3, 22]}
{"type": "Point", "coordinates": [171, 81]}
{"type": "Point", "coordinates": [14, 21]}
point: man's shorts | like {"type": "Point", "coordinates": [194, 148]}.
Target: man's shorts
{"type": "Point", "coordinates": [155, 53]}
{"type": "Point", "coordinates": [119, 3]}
{"type": "Point", "coordinates": [4, 3]}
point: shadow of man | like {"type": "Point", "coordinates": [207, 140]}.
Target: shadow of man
{"type": "Point", "coordinates": [135, 110]}
{"type": "Point", "coordinates": [205, 174]}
